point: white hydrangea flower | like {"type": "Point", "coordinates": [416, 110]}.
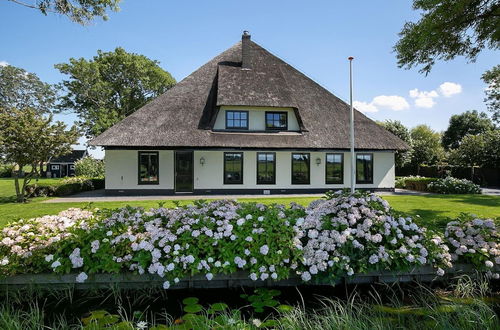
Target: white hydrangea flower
{"type": "Point", "coordinates": [82, 277]}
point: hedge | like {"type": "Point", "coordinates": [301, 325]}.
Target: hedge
{"type": "Point", "coordinates": [414, 183]}
{"type": "Point", "coordinates": [65, 187]}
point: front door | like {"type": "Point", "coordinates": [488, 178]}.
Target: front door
{"type": "Point", "coordinates": [183, 171]}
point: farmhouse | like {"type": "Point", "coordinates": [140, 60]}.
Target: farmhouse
{"type": "Point", "coordinates": [245, 122]}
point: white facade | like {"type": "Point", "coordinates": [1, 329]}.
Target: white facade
{"type": "Point", "coordinates": [122, 172]}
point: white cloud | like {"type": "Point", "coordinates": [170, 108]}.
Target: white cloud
{"type": "Point", "coordinates": [364, 106]}
{"type": "Point", "coordinates": [449, 89]}
{"type": "Point", "coordinates": [423, 99]}
{"type": "Point", "coordinates": [393, 102]}
{"type": "Point", "coordinates": [425, 102]}
{"type": "Point", "coordinates": [3, 63]}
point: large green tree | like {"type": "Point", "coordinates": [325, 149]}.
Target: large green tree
{"type": "Point", "coordinates": [110, 86]}
{"type": "Point", "coordinates": [397, 128]}
{"type": "Point", "coordinates": [427, 149]}
{"type": "Point", "coordinates": [492, 79]}
{"type": "Point", "coordinates": [28, 138]}
{"type": "Point", "coordinates": [79, 11]}
{"type": "Point", "coordinates": [21, 89]}
{"type": "Point", "coordinates": [447, 29]}
{"type": "Point", "coordinates": [467, 123]}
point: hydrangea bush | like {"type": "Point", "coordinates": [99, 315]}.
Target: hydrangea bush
{"type": "Point", "coordinates": [475, 241]}
{"type": "Point", "coordinates": [342, 235]}
{"type": "Point", "coordinates": [452, 185]}
{"type": "Point", "coordinates": [351, 234]}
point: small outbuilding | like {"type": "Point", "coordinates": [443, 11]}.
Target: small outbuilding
{"type": "Point", "coordinates": [63, 166]}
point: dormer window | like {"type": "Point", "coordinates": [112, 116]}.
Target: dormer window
{"type": "Point", "coordinates": [276, 120]}
{"type": "Point", "coordinates": [236, 119]}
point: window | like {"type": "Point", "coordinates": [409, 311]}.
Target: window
{"type": "Point", "coordinates": [266, 168]}
{"type": "Point", "coordinates": [148, 167]}
{"type": "Point", "coordinates": [364, 168]}
{"type": "Point", "coordinates": [300, 168]}
{"type": "Point", "coordinates": [72, 167]}
{"type": "Point", "coordinates": [237, 119]}
{"type": "Point", "coordinates": [54, 167]}
{"type": "Point", "coordinates": [233, 168]}
{"type": "Point", "coordinates": [334, 168]}
{"type": "Point", "coordinates": [276, 121]}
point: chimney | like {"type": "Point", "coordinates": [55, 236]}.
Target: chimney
{"type": "Point", "coordinates": [245, 51]}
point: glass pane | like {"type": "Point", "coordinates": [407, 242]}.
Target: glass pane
{"type": "Point", "coordinates": [236, 115]}
{"type": "Point", "coordinates": [243, 115]}
{"type": "Point", "coordinates": [229, 115]}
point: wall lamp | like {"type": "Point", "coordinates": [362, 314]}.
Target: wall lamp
{"type": "Point", "coordinates": [202, 161]}
{"type": "Point", "coordinates": [318, 161]}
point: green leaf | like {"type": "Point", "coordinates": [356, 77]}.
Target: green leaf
{"type": "Point", "coordinates": [219, 307]}
{"type": "Point", "coordinates": [196, 308]}
{"type": "Point", "coordinates": [284, 308]}
{"type": "Point", "coordinates": [190, 301]}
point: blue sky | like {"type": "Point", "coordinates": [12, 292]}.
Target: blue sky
{"type": "Point", "coordinates": [316, 37]}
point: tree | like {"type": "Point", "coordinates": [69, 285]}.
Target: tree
{"type": "Point", "coordinates": [20, 89]}
{"type": "Point", "coordinates": [447, 29]}
{"type": "Point", "coordinates": [491, 149]}
{"type": "Point", "coordinates": [111, 86]}
{"type": "Point", "coordinates": [492, 79]}
{"type": "Point", "coordinates": [470, 152]}
{"type": "Point", "coordinates": [397, 128]}
{"type": "Point", "coordinates": [467, 123]}
{"type": "Point", "coordinates": [427, 147]}
{"type": "Point", "coordinates": [79, 11]}
{"type": "Point", "coordinates": [29, 138]}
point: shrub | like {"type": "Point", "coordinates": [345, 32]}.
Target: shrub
{"type": "Point", "coordinates": [89, 167]}
{"type": "Point", "coordinates": [358, 233]}
{"type": "Point", "coordinates": [474, 241]}
{"type": "Point", "coordinates": [414, 182]}
{"type": "Point", "coordinates": [345, 235]}
{"type": "Point", "coordinates": [451, 185]}
{"type": "Point", "coordinates": [64, 187]}
{"type": "Point", "coordinates": [6, 170]}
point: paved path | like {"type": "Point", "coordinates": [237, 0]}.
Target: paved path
{"type": "Point", "coordinates": [99, 196]}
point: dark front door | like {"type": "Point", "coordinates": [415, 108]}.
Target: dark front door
{"type": "Point", "coordinates": [183, 171]}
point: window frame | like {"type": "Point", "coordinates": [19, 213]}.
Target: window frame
{"type": "Point", "coordinates": [274, 168]}
{"type": "Point", "coordinates": [341, 167]}
{"type": "Point", "coordinates": [55, 167]}
{"type": "Point", "coordinates": [276, 128]}
{"type": "Point", "coordinates": [139, 182]}
{"type": "Point", "coordinates": [236, 127]}
{"type": "Point", "coordinates": [224, 166]}
{"type": "Point", "coordinates": [308, 168]}
{"type": "Point", "coordinates": [372, 163]}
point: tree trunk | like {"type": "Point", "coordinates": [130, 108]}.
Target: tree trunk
{"type": "Point", "coordinates": [42, 172]}
{"type": "Point", "coordinates": [472, 173]}
{"type": "Point", "coordinates": [19, 192]}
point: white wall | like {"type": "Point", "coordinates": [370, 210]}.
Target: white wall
{"type": "Point", "coordinates": [257, 119]}
{"type": "Point", "coordinates": [122, 167]}
{"type": "Point", "coordinates": [122, 170]}
{"type": "Point", "coordinates": [210, 175]}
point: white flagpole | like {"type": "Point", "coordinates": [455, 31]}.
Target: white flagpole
{"type": "Point", "coordinates": [353, 157]}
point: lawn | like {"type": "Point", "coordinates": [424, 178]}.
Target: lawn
{"type": "Point", "coordinates": [434, 210]}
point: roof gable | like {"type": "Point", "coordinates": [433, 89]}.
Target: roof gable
{"type": "Point", "coordinates": [184, 115]}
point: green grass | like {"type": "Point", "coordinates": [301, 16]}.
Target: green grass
{"type": "Point", "coordinates": [434, 210]}
{"type": "Point", "coordinates": [8, 190]}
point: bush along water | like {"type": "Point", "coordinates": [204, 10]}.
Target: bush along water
{"type": "Point", "coordinates": [452, 185]}
{"type": "Point", "coordinates": [344, 235]}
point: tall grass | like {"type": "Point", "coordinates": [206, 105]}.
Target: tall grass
{"type": "Point", "coordinates": [467, 304]}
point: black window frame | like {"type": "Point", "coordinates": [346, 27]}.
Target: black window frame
{"type": "Point", "coordinates": [139, 154]}
{"type": "Point", "coordinates": [371, 169]}
{"type": "Point", "coordinates": [273, 181]}
{"type": "Point", "coordinates": [276, 113]}
{"type": "Point", "coordinates": [341, 167]}
{"type": "Point", "coordinates": [237, 127]}
{"type": "Point", "coordinates": [308, 168]}
{"type": "Point", "coordinates": [242, 163]}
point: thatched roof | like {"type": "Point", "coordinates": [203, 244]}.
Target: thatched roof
{"type": "Point", "coordinates": [184, 115]}
{"type": "Point", "coordinates": [72, 157]}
